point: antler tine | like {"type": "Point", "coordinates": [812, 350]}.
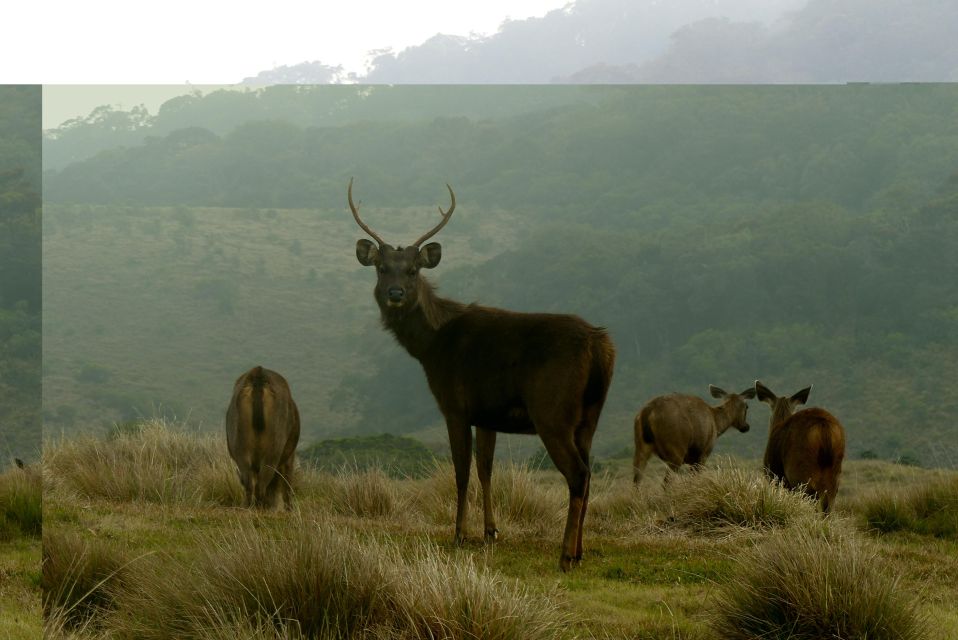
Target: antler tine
{"type": "Point", "coordinates": [359, 221]}
{"type": "Point", "coordinates": [445, 218]}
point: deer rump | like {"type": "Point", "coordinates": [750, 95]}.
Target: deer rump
{"type": "Point", "coordinates": [262, 431]}
{"type": "Point", "coordinates": [808, 448]}
{"type": "Point", "coordinates": [501, 370]}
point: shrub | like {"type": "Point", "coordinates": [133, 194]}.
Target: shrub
{"type": "Point", "coordinates": [397, 456]}
{"type": "Point", "coordinates": [812, 582]}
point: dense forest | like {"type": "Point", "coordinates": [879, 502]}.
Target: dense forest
{"type": "Point", "coordinates": [801, 235]}
{"type": "Point", "coordinates": [19, 271]}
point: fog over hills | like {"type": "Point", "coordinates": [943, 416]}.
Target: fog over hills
{"type": "Point", "coordinates": [681, 41]}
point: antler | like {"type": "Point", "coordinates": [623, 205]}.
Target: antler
{"type": "Point", "coordinates": [445, 218]}
{"type": "Point", "coordinates": [359, 221]}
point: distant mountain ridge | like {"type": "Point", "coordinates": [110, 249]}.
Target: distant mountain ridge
{"type": "Point", "coordinates": [683, 41]}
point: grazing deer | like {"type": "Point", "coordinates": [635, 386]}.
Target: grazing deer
{"type": "Point", "coordinates": [262, 430]}
{"type": "Point", "coordinates": [501, 371]}
{"type": "Point", "coordinates": [682, 429]}
{"type": "Point", "coordinates": [805, 448]}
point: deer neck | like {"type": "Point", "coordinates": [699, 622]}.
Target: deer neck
{"type": "Point", "coordinates": [780, 414]}
{"type": "Point", "coordinates": [416, 328]}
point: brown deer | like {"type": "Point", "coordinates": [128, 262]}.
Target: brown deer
{"type": "Point", "coordinates": [501, 371]}
{"type": "Point", "coordinates": [262, 430]}
{"type": "Point", "coordinates": [682, 429]}
{"type": "Point", "coordinates": [805, 449]}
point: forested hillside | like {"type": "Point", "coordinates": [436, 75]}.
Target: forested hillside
{"type": "Point", "coordinates": [801, 235]}
{"type": "Point", "coordinates": [19, 272]}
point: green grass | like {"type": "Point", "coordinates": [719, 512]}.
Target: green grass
{"type": "Point", "coordinates": [363, 547]}
{"type": "Point", "coordinates": [20, 528]}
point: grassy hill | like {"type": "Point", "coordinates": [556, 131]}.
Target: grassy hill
{"type": "Point", "coordinates": [144, 538]}
{"type": "Point", "coordinates": [158, 310]}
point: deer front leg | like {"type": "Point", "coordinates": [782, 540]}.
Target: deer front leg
{"type": "Point", "coordinates": [485, 451]}
{"type": "Point", "coordinates": [460, 443]}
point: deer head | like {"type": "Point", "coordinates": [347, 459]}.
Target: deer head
{"type": "Point", "coordinates": [784, 406]}
{"type": "Point", "coordinates": [735, 405]}
{"type": "Point", "coordinates": [397, 268]}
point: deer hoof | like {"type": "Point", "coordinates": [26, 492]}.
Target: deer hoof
{"type": "Point", "coordinates": [565, 562]}
{"type": "Point", "coordinates": [492, 534]}
{"type": "Point", "coordinates": [459, 540]}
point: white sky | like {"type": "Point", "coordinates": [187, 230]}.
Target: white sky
{"type": "Point", "coordinates": [218, 42]}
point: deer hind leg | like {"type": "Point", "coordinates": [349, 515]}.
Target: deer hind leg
{"type": "Point", "coordinates": [643, 451]}
{"type": "Point", "coordinates": [567, 460]}
{"type": "Point", "coordinates": [583, 443]}
{"type": "Point", "coordinates": [460, 443]}
{"type": "Point", "coordinates": [485, 451]}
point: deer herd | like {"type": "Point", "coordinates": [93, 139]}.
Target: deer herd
{"type": "Point", "coordinates": [527, 373]}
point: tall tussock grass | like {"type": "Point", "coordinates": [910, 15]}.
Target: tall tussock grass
{"type": "Point", "coordinates": [21, 503]}
{"type": "Point", "coordinates": [153, 463]}
{"type": "Point", "coordinates": [715, 500]}
{"type": "Point", "coordinates": [814, 581]}
{"type": "Point", "coordinates": [77, 578]}
{"type": "Point", "coordinates": [928, 509]}
{"type": "Point", "coordinates": [312, 580]}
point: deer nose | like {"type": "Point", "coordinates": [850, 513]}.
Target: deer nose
{"type": "Point", "coordinates": [745, 427]}
{"type": "Point", "coordinates": [396, 294]}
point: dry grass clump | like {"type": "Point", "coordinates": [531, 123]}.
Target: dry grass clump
{"type": "Point", "coordinates": [153, 463]}
{"type": "Point", "coordinates": [314, 581]}
{"type": "Point", "coordinates": [369, 493]}
{"type": "Point", "coordinates": [714, 500]}
{"type": "Point", "coordinates": [811, 582]}
{"type": "Point", "coordinates": [528, 500]}
{"type": "Point", "coordinates": [21, 503]}
{"type": "Point", "coordinates": [930, 508]}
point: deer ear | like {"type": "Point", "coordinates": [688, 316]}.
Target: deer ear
{"type": "Point", "coordinates": [366, 252]}
{"type": "Point", "coordinates": [801, 397]}
{"type": "Point", "coordinates": [430, 255]}
{"type": "Point", "coordinates": [749, 393]}
{"type": "Point", "coordinates": [716, 391]}
{"type": "Point", "coordinates": [764, 393]}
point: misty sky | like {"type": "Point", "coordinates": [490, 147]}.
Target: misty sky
{"type": "Point", "coordinates": [216, 42]}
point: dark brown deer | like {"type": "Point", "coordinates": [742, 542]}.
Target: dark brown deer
{"type": "Point", "coordinates": [501, 371]}
{"type": "Point", "coordinates": [805, 449]}
{"type": "Point", "coordinates": [262, 430]}
{"type": "Point", "coordinates": [682, 429]}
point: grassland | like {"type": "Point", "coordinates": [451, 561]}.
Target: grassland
{"type": "Point", "coordinates": [20, 513]}
{"type": "Point", "coordinates": [144, 538]}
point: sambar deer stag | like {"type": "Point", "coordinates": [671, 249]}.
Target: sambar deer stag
{"type": "Point", "coordinates": [805, 449]}
{"type": "Point", "coordinates": [682, 429]}
{"type": "Point", "coordinates": [262, 430]}
{"type": "Point", "coordinates": [497, 370]}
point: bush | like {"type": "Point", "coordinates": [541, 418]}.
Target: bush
{"type": "Point", "coordinates": [808, 583]}
{"type": "Point", "coordinates": [397, 456]}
